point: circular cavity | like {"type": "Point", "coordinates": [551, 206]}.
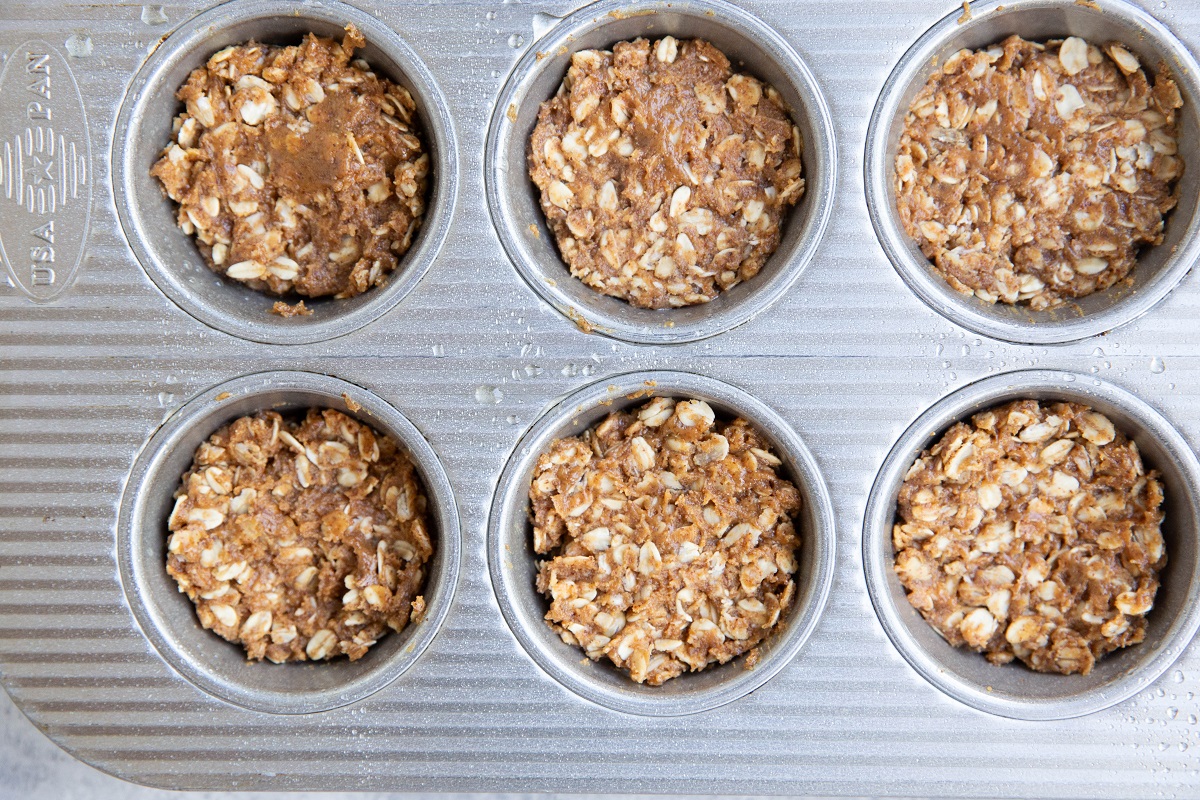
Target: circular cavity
{"type": "Point", "coordinates": [148, 217]}
{"type": "Point", "coordinates": [513, 567]}
{"type": "Point", "coordinates": [1013, 690]}
{"type": "Point", "coordinates": [1158, 269]}
{"type": "Point", "coordinates": [513, 200]}
{"type": "Point", "coordinates": [168, 617]}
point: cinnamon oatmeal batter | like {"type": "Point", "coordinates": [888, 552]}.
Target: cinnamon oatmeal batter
{"type": "Point", "coordinates": [297, 169]}
{"type": "Point", "coordinates": [669, 539]}
{"type": "Point", "coordinates": [664, 176]}
{"type": "Point", "coordinates": [301, 540]}
{"type": "Point", "coordinates": [1033, 532]}
{"type": "Point", "coordinates": [1035, 173]}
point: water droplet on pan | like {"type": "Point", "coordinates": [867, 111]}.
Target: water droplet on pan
{"type": "Point", "coordinates": [1157, 366]}
{"type": "Point", "coordinates": [488, 395]}
{"type": "Point", "coordinates": [154, 15]}
{"type": "Point", "coordinates": [516, 41]}
{"type": "Point", "coordinates": [79, 45]}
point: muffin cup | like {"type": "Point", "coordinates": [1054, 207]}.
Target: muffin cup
{"type": "Point", "coordinates": [513, 200]}
{"type": "Point", "coordinates": [1159, 268]}
{"type": "Point", "coordinates": [513, 563]}
{"type": "Point", "coordinates": [148, 217]}
{"type": "Point", "coordinates": [1013, 690]}
{"type": "Point", "coordinates": [168, 617]}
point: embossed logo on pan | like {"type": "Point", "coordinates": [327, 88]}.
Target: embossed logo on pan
{"type": "Point", "coordinates": [45, 171]}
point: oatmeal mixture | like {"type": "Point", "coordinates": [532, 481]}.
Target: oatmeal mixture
{"type": "Point", "coordinates": [664, 176]}
{"type": "Point", "coordinates": [1035, 173]}
{"type": "Point", "coordinates": [1032, 532]}
{"type": "Point", "coordinates": [669, 539]}
{"type": "Point", "coordinates": [301, 540]}
{"type": "Point", "coordinates": [297, 169]}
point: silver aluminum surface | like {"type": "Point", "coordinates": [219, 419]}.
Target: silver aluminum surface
{"type": "Point", "coordinates": [512, 562]}
{"type": "Point", "coordinates": [168, 618]}
{"type": "Point", "coordinates": [1023, 693]}
{"type": "Point", "coordinates": [514, 201]}
{"type": "Point", "coordinates": [1159, 269]}
{"type": "Point", "coordinates": [149, 217]}
{"type": "Point", "coordinates": [92, 362]}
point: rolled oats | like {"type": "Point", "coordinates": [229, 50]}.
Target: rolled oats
{"type": "Point", "coordinates": [1035, 173]}
{"type": "Point", "coordinates": [1033, 532]}
{"type": "Point", "coordinates": [669, 538]}
{"type": "Point", "coordinates": [300, 540]}
{"type": "Point", "coordinates": [664, 176]}
{"type": "Point", "coordinates": [297, 169]}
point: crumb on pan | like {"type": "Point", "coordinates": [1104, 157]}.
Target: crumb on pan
{"type": "Point", "coordinates": [290, 310]}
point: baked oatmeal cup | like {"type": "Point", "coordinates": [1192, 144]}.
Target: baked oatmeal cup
{"type": "Point", "coordinates": [664, 176]}
{"type": "Point", "coordinates": [298, 170]}
{"type": "Point", "coordinates": [301, 539]}
{"type": "Point", "coordinates": [1035, 173]}
{"type": "Point", "coordinates": [669, 539]}
{"type": "Point", "coordinates": [1032, 532]}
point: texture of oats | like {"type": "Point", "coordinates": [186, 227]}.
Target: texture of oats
{"type": "Point", "coordinates": [669, 539]}
{"type": "Point", "coordinates": [301, 540]}
{"type": "Point", "coordinates": [1032, 532]}
{"type": "Point", "coordinates": [664, 176]}
{"type": "Point", "coordinates": [1035, 173]}
{"type": "Point", "coordinates": [297, 169]}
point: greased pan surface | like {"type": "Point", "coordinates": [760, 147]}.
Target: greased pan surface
{"type": "Point", "coordinates": [95, 359]}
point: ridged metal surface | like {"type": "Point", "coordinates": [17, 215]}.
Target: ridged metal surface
{"type": "Point", "coordinates": [849, 357]}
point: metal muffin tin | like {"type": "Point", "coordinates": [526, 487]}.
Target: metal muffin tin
{"type": "Point", "coordinates": [1018, 692]}
{"type": "Point", "coordinates": [168, 618]}
{"type": "Point", "coordinates": [513, 200]}
{"type": "Point", "coordinates": [97, 360]}
{"type": "Point", "coordinates": [512, 562]}
{"type": "Point", "coordinates": [143, 129]}
{"type": "Point", "coordinates": [1159, 268]}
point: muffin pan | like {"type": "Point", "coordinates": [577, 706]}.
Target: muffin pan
{"type": "Point", "coordinates": [108, 386]}
{"type": "Point", "coordinates": [1159, 268]}
{"type": "Point", "coordinates": [168, 618]}
{"type": "Point", "coordinates": [148, 217]}
{"type": "Point", "coordinates": [513, 564]}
